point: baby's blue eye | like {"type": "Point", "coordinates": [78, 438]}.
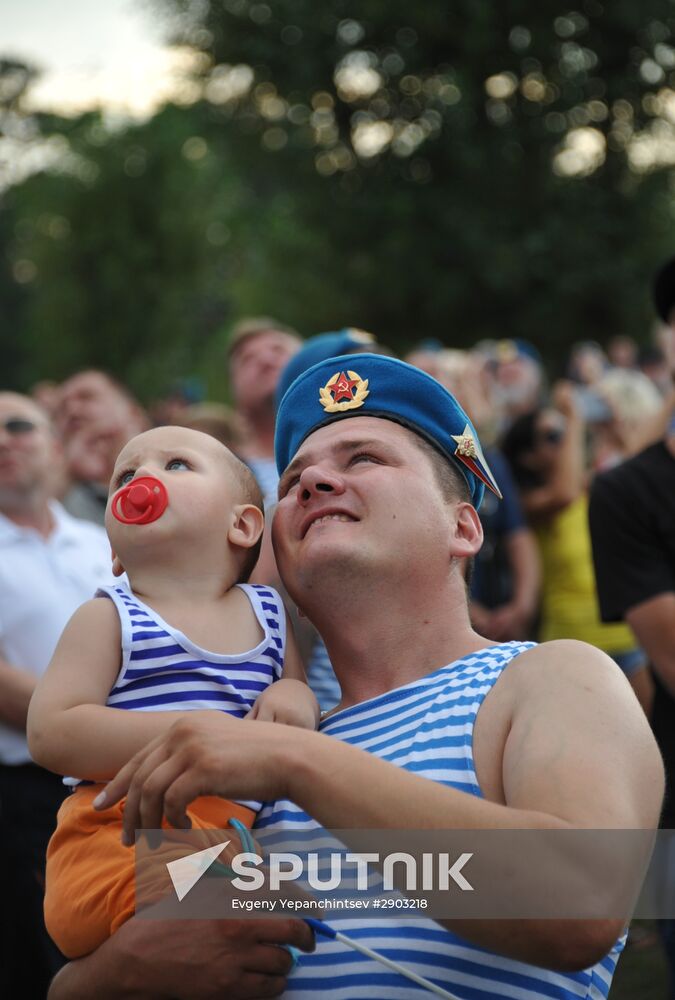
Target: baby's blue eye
{"type": "Point", "coordinates": [125, 477]}
{"type": "Point", "coordinates": [176, 463]}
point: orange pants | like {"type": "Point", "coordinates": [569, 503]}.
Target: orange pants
{"type": "Point", "coordinates": [91, 874]}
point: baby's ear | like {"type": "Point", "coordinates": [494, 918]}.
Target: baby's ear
{"type": "Point", "coordinates": [247, 526]}
{"type": "Point", "coordinates": [117, 566]}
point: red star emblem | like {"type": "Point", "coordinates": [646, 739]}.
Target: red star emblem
{"type": "Point", "coordinates": [342, 389]}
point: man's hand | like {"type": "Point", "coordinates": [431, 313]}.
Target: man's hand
{"type": "Point", "coordinates": [205, 753]}
{"type": "Point", "coordinates": [480, 617]}
{"type": "Point", "coordinates": [563, 397]}
{"type": "Point", "coordinates": [16, 689]}
{"type": "Point", "coordinates": [187, 960]}
{"type": "Point", "coordinates": [510, 621]}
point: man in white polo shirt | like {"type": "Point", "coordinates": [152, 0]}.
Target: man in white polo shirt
{"type": "Point", "coordinates": [50, 563]}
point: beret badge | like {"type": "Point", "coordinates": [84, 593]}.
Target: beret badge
{"type": "Point", "coordinates": [469, 452]}
{"type": "Point", "coordinates": [343, 391]}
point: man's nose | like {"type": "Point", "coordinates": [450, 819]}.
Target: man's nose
{"type": "Point", "coordinates": [315, 480]}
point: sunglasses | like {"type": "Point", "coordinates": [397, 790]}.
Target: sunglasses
{"type": "Point", "coordinates": [18, 425]}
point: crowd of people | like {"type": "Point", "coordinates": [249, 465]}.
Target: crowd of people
{"type": "Point", "coordinates": [561, 506]}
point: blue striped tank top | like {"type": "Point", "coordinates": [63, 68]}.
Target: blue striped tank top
{"type": "Point", "coordinates": [163, 670]}
{"type": "Point", "coordinates": [425, 727]}
{"type": "Point", "coordinates": [321, 677]}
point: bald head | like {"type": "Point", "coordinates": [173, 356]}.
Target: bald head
{"type": "Point", "coordinates": [29, 456]}
{"type": "Point", "coordinates": [15, 401]}
{"type": "Point", "coordinates": [175, 449]}
{"type": "Point", "coordinates": [170, 438]}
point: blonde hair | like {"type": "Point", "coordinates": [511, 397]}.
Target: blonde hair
{"type": "Point", "coordinates": [631, 395]}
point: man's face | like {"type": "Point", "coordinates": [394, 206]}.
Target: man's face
{"type": "Point", "coordinates": [256, 365]}
{"type": "Point", "coordinates": [90, 399]}
{"type": "Point", "coordinates": [95, 420]}
{"type": "Point", "coordinates": [27, 448]}
{"type": "Point", "coordinates": [549, 435]}
{"type": "Point", "coordinates": [198, 474]}
{"type": "Point", "coordinates": [360, 500]}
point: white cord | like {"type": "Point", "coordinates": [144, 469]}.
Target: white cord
{"type": "Point", "coordinates": [401, 969]}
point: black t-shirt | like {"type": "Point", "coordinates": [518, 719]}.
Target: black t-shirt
{"type": "Point", "coordinates": [632, 519]}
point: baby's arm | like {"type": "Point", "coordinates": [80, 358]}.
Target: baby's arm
{"type": "Point", "coordinates": [289, 700]}
{"type": "Point", "coordinates": [70, 729]}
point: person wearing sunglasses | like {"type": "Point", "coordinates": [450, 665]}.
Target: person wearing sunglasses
{"type": "Point", "coordinates": [49, 564]}
{"type": "Point", "coordinates": [546, 451]}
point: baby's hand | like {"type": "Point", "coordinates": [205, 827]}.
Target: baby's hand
{"type": "Point", "coordinates": [288, 701]}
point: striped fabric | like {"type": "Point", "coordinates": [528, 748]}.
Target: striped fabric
{"type": "Point", "coordinates": [425, 727]}
{"type": "Point", "coordinates": [162, 670]}
{"type": "Point", "coordinates": [265, 472]}
{"type": "Point", "coordinates": [321, 677]}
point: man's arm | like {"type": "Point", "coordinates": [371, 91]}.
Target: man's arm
{"type": "Point", "coordinates": [653, 623]}
{"type": "Point", "coordinates": [186, 960]}
{"type": "Point", "coordinates": [567, 481]}
{"type": "Point", "coordinates": [579, 754]}
{"type": "Point", "coordinates": [16, 689]}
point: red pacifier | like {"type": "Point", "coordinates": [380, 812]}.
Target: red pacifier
{"type": "Point", "coordinates": [141, 501]}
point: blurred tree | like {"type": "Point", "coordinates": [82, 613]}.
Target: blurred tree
{"type": "Point", "coordinates": [125, 250]}
{"type": "Point", "coordinates": [141, 245]}
{"type": "Point", "coordinates": [487, 169]}
{"type": "Point", "coordinates": [462, 170]}
{"type": "Point", "coordinates": [14, 79]}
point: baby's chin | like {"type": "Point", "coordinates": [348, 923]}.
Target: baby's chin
{"type": "Point", "coordinates": [137, 544]}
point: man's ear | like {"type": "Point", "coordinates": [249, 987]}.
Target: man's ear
{"type": "Point", "coordinates": [117, 566]}
{"type": "Point", "coordinates": [247, 526]}
{"type": "Point", "coordinates": [468, 535]}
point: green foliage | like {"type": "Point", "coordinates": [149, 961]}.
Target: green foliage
{"type": "Point", "coordinates": [466, 222]}
{"type": "Point", "coordinates": [459, 170]}
{"type": "Point", "coordinates": [126, 276]}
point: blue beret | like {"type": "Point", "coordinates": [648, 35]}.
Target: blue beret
{"type": "Point", "coordinates": [509, 350]}
{"type": "Point", "coordinates": [372, 385]}
{"type": "Point", "coordinates": [320, 347]}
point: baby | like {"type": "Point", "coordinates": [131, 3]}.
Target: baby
{"type": "Point", "coordinates": [184, 520]}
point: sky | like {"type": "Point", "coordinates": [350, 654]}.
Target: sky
{"type": "Point", "coordinates": [93, 53]}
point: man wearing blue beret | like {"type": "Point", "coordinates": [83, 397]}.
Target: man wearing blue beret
{"type": "Point", "coordinates": [438, 728]}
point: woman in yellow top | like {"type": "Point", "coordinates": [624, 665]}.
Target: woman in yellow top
{"type": "Point", "coordinates": [546, 451]}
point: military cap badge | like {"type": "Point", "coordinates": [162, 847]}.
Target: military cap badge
{"type": "Point", "coordinates": [469, 452]}
{"type": "Point", "coordinates": [344, 391]}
